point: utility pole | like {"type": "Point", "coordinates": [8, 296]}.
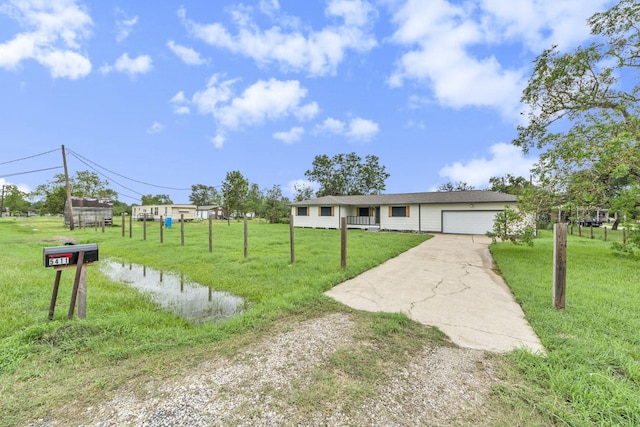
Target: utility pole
{"type": "Point", "coordinates": [66, 179]}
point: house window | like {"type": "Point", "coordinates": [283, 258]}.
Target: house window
{"type": "Point", "coordinates": [325, 211]}
{"type": "Point", "coordinates": [155, 211]}
{"type": "Point", "coordinates": [398, 211]}
{"type": "Point", "coordinates": [302, 211]}
{"type": "Point", "coordinates": [363, 211]}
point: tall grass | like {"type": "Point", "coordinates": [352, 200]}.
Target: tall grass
{"type": "Point", "coordinates": [591, 374]}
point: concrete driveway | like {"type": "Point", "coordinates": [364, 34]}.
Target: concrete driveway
{"type": "Point", "coordinates": [447, 282]}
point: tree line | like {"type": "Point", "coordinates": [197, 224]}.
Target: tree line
{"type": "Point", "coordinates": [342, 174]}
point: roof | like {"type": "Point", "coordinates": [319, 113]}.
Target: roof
{"type": "Point", "coordinates": [436, 197]}
{"type": "Point", "coordinates": [90, 202]}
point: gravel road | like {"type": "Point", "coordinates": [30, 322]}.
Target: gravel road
{"type": "Point", "coordinates": [441, 386]}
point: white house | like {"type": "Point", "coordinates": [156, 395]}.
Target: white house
{"type": "Point", "coordinates": [154, 212]}
{"type": "Point", "coordinates": [456, 212]}
{"type": "Point", "coordinates": [214, 212]}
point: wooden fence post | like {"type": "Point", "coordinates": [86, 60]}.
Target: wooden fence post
{"type": "Point", "coordinates": [605, 233]}
{"type": "Point", "coordinates": [343, 242]}
{"type": "Point", "coordinates": [246, 237]}
{"type": "Point", "coordinates": [559, 265]}
{"type": "Point", "coordinates": [144, 227]}
{"type": "Point", "coordinates": [122, 225]}
{"type": "Point", "coordinates": [161, 229]}
{"type": "Point", "coordinates": [291, 240]}
{"type": "Point", "coordinates": [210, 233]}
{"type": "Point", "coordinates": [76, 285]}
{"type": "Point", "coordinates": [181, 229]}
{"type": "Point", "coordinates": [130, 226]}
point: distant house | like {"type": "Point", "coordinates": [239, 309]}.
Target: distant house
{"type": "Point", "coordinates": [89, 212]}
{"type": "Point", "coordinates": [456, 212]}
{"type": "Point", "coordinates": [158, 212]}
{"type": "Point", "coordinates": [213, 212]}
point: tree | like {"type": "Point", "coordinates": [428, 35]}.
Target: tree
{"type": "Point", "coordinates": [584, 110]}
{"type": "Point", "coordinates": [509, 184]}
{"type": "Point", "coordinates": [346, 174]}
{"type": "Point", "coordinates": [235, 189]}
{"type": "Point", "coordinates": [457, 186]}
{"type": "Point", "coordinates": [14, 199]}
{"type": "Point", "coordinates": [83, 184]}
{"type": "Point", "coordinates": [255, 200]}
{"type": "Point", "coordinates": [275, 204]}
{"type": "Point", "coordinates": [204, 195]}
{"type": "Point", "coordinates": [302, 192]}
{"type": "Point", "coordinates": [158, 199]}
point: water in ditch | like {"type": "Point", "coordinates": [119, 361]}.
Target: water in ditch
{"type": "Point", "coordinates": [191, 301]}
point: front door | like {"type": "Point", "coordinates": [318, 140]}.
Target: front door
{"type": "Point", "coordinates": [377, 218]}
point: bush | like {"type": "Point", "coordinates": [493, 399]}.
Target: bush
{"type": "Point", "coordinates": [515, 226]}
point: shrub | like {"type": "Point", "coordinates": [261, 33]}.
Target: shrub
{"type": "Point", "coordinates": [518, 227]}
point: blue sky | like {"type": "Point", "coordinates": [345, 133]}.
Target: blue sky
{"type": "Point", "coordinates": [180, 93]}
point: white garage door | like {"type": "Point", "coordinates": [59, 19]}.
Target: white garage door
{"type": "Point", "coordinates": [468, 222]}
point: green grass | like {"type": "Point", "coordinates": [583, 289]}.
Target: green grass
{"type": "Point", "coordinates": [44, 364]}
{"type": "Point", "coordinates": [591, 375]}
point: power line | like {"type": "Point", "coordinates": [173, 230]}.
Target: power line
{"type": "Point", "coordinates": [100, 173]}
{"type": "Point", "coordinates": [84, 160]}
{"type": "Point", "coordinates": [29, 157]}
{"type": "Point", "coordinates": [33, 171]}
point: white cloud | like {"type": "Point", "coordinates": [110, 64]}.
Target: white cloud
{"type": "Point", "coordinates": [155, 128]}
{"type": "Point", "coordinates": [186, 54]}
{"type": "Point", "coordinates": [357, 128]}
{"type": "Point", "coordinates": [332, 125]}
{"type": "Point", "coordinates": [141, 64]}
{"type": "Point", "coordinates": [52, 35]}
{"type": "Point", "coordinates": [315, 52]}
{"type": "Point", "coordinates": [362, 129]}
{"type": "Point", "coordinates": [292, 135]}
{"type": "Point", "coordinates": [218, 140]}
{"type": "Point", "coordinates": [124, 26]}
{"type": "Point", "coordinates": [180, 104]}
{"type": "Point", "coordinates": [505, 159]}
{"type": "Point", "coordinates": [265, 100]}
{"type": "Point", "coordinates": [216, 93]}
{"type": "Point", "coordinates": [441, 40]}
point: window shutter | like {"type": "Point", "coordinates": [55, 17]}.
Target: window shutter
{"type": "Point", "coordinates": [319, 210]}
{"type": "Point", "coordinates": [408, 210]}
{"type": "Point", "coordinates": [389, 211]}
{"type": "Point", "coordinates": [333, 210]}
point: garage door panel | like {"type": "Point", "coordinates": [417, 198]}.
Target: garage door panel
{"type": "Point", "coordinates": [468, 222]}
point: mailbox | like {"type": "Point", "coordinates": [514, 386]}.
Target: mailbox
{"type": "Point", "coordinates": [59, 256]}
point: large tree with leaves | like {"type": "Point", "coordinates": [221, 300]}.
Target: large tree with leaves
{"type": "Point", "coordinates": [82, 184]}
{"type": "Point", "coordinates": [156, 199]}
{"type": "Point", "coordinates": [347, 174]}
{"type": "Point", "coordinates": [204, 195]}
{"type": "Point", "coordinates": [584, 113]}
{"type": "Point", "coordinates": [235, 190]}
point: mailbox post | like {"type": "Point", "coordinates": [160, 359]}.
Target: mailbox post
{"type": "Point", "coordinates": [64, 257]}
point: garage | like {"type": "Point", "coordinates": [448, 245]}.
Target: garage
{"type": "Point", "coordinates": [468, 222]}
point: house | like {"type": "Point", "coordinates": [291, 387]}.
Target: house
{"type": "Point", "coordinates": [214, 212]}
{"type": "Point", "coordinates": [456, 212]}
{"type": "Point", "coordinates": [155, 212]}
{"type": "Point", "coordinates": [89, 212]}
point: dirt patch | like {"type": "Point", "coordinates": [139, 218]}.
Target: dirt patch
{"type": "Point", "coordinates": [441, 385]}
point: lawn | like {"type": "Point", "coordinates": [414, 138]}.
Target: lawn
{"type": "Point", "coordinates": [591, 375]}
{"type": "Point", "coordinates": [47, 364]}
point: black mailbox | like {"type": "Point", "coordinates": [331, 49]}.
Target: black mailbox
{"type": "Point", "coordinates": [68, 255]}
